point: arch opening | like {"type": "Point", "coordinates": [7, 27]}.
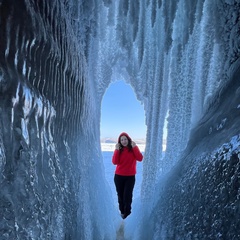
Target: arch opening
{"type": "Point", "coordinates": [121, 112]}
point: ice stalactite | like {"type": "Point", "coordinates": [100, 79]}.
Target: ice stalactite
{"type": "Point", "coordinates": [57, 59]}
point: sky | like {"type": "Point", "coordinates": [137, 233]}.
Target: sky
{"type": "Point", "coordinates": [122, 112]}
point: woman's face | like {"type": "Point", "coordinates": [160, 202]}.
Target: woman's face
{"type": "Point", "coordinates": [124, 140]}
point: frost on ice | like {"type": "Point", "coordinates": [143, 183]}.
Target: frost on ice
{"type": "Point", "coordinates": [57, 60]}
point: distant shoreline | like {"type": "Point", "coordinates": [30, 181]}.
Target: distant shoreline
{"type": "Point", "coordinates": [110, 147]}
{"type": "Point", "coordinates": [114, 140]}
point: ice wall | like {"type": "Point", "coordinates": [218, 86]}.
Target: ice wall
{"type": "Point", "coordinates": [52, 181]}
{"type": "Point", "coordinates": [57, 59]}
{"type": "Point", "coordinates": [182, 59]}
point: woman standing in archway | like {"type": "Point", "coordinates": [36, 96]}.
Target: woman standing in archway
{"type": "Point", "coordinates": [125, 156]}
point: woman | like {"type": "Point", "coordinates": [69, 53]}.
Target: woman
{"type": "Point", "coordinates": [125, 157]}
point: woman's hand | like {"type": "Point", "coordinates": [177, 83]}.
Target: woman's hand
{"type": "Point", "coordinates": [117, 146]}
{"type": "Point", "coordinates": [133, 144]}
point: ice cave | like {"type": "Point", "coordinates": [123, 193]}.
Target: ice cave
{"type": "Point", "coordinates": [57, 59]}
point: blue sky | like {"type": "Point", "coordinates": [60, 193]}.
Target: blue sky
{"type": "Point", "coordinates": [122, 112]}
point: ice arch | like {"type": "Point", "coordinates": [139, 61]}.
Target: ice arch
{"type": "Point", "coordinates": [57, 59]}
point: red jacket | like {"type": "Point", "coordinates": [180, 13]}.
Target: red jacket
{"type": "Point", "coordinates": [126, 160]}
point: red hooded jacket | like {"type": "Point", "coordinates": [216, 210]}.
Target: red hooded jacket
{"type": "Point", "coordinates": [126, 160]}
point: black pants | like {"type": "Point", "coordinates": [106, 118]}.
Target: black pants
{"type": "Point", "coordinates": [124, 186]}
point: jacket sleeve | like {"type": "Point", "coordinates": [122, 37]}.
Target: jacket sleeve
{"type": "Point", "coordinates": [138, 155]}
{"type": "Point", "coordinates": [115, 157]}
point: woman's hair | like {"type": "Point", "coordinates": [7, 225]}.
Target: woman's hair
{"type": "Point", "coordinates": [129, 146]}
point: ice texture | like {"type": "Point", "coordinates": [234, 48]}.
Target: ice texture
{"type": "Point", "coordinates": [57, 59]}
